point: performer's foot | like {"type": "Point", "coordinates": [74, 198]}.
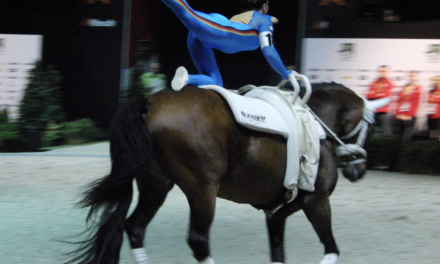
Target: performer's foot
{"type": "Point", "coordinates": [180, 79]}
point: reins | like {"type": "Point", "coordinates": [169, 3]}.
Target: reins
{"type": "Point", "coordinates": [343, 150]}
{"type": "Point", "coordinates": [351, 149]}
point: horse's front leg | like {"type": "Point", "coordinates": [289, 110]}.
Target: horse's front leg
{"type": "Point", "coordinates": [275, 228]}
{"type": "Point", "coordinates": [316, 206]}
{"type": "Point", "coordinates": [319, 216]}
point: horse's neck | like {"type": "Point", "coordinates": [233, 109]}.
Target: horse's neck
{"type": "Point", "coordinates": [328, 110]}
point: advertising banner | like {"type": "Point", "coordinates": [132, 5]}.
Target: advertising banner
{"type": "Point", "coordinates": [18, 53]}
{"type": "Point", "coordinates": [355, 63]}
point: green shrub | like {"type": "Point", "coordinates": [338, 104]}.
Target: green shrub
{"type": "Point", "coordinates": [136, 89]}
{"type": "Point", "coordinates": [54, 135]}
{"type": "Point", "coordinates": [76, 132]}
{"type": "Point", "coordinates": [41, 105]}
{"type": "Point", "coordinates": [10, 140]}
{"type": "Point", "coordinates": [4, 117]}
{"type": "Point", "coordinates": [83, 131]}
{"type": "Point", "coordinates": [8, 131]}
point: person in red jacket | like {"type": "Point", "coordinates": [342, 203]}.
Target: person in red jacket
{"type": "Point", "coordinates": [434, 116]}
{"type": "Point", "coordinates": [381, 88]}
{"type": "Point", "coordinates": [407, 106]}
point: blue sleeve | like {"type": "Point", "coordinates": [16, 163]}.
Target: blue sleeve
{"type": "Point", "coordinates": [265, 24]}
{"type": "Point", "coordinates": [274, 60]}
{"type": "Point", "coordinates": [269, 51]}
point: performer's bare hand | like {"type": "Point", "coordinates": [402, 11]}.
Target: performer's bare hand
{"type": "Point", "coordinates": [274, 20]}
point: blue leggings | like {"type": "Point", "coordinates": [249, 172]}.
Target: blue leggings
{"type": "Point", "coordinates": [208, 32]}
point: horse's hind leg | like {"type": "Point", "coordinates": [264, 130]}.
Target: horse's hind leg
{"type": "Point", "coordinates": [201, 198]}
{"type": "Point", "coordinates": [153, 190]}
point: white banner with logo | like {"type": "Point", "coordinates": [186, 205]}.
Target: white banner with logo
{"type": "Point", "coordinates": [354, 63]}
{"type": "Point", "coordinates": [18, 53]}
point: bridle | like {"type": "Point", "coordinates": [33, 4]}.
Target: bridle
{"type": "Point", "coordinates": [352, 153]}
{"type": "Point", "coordinates": [355, 152]}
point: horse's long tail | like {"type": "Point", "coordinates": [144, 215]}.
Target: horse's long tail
{"type": "Point", "coordinates": [109, 198]}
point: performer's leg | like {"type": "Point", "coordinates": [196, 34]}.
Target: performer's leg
{"type": "Point", "coordinates": [182, 79]}
{"type": "Point", "coordinates": [408, 127]}
{"type": "Point", "coordinates": [214, 30]}
{"type": "Point", "coordinates": [205, 62]}
{"type": "Point", "coordinates": [437, 128]}
{"type": "Point", "coordinates": [193, 20]}
{"type": "Point", "coordinates": [386, 123]}
{"type": "Point", "coordinates": [433, 127]}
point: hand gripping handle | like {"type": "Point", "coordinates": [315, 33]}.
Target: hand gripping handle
{"type": "Point", "coordinates": [293, 78]}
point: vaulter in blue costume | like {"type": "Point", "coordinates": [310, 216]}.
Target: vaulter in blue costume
{"type": "Point", "coordinates": [246, 31]}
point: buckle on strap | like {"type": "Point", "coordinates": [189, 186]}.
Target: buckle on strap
{"type": "Point", "coordinates": [290, 196]}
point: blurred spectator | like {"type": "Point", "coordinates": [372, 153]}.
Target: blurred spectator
{"type": "Point", "coordinates": [143, 54]}
{"type": "Point", "coordinates": [434, 107]}
{"type": "Point", "coordinates": [153, 81]}
{"type": "Point", "coordinates": [381, 88]}
{"type": "Point", "coordinates": [407, 106]}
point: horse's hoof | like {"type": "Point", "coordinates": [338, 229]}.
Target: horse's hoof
{"type": "Point", "coordinates": [330, 259]}
{"type": "Point", "coordinates": [207, 260]}
{"type": "Point", "coordinates": [140, 255]}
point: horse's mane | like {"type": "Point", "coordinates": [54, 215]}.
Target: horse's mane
{"type": "Point", "coordinates": [330, 87]}
{"type": "Point", "coordinates": [331, 91]}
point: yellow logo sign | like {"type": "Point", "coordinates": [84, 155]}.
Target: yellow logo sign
{"type": "Point", "coordinates": [338, 2]}
{"type": "Point", "coordinates": [102, 1]}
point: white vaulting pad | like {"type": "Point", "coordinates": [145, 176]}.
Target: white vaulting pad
{"type": "Point", "coordinates": [253, 113]}
{"type": "Point", "coordinates": [265, 111]}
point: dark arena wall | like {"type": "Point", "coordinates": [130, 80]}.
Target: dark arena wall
{"type": "Point", "coordinates": [84, 39]}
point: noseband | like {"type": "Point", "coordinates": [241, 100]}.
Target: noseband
{"type": "Point", "coordinates": [352, 153]}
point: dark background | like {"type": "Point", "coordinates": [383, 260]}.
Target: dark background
{"type": "Point", "coordinates": [89, 58]}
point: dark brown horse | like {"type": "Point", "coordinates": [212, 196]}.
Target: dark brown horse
{"type": "Point", "coordinates": [190, 139]}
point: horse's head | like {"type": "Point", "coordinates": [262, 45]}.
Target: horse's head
{"type": "Point", "coordinates": [346, 118]}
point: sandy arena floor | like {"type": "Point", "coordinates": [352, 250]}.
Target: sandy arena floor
{"type": "Point", "coordinates": [385, 218]}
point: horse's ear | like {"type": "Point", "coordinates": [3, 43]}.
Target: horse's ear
{"type": "Point", "coordinates": [375, 104]}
